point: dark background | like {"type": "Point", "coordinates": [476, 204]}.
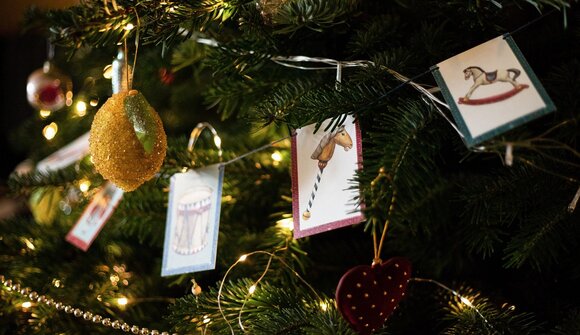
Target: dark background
{"type": "Point", "coordinates": [20, 54]}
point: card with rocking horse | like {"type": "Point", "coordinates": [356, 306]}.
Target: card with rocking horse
{"type": "Point", "coordinates": [491, 89]}
{"type": "Point", "coordinates": [324, 195]}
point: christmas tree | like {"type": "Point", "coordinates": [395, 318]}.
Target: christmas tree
{"type": "Point", "coordinates": [489, 225]}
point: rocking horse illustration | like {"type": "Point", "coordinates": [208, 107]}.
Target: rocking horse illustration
{"type": "Point", "coordinates": [323, 153]}
{"type": "Point", "coordinates": [480, 77]}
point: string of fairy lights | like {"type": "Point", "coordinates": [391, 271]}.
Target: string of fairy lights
{"type": "Point", "coordinates": [295, 62]}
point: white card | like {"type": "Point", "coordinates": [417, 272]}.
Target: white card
{"type": "Point", "coordinates": [95, 216]}
{"type": "Point", "coordinates": [193, 214]}
{"type": "Point", "coordinates": [491, 89]}
{"type": "Point", "coordinates": [323, 166]}
{"type": "Point", "coordinates": [66, 155]}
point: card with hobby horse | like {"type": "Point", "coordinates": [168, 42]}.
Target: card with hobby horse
{"type": "Point", "coordinates": [491, 89]}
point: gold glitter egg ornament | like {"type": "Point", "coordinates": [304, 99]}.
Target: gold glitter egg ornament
{"type": "Point", "coordinates": [127, 140]}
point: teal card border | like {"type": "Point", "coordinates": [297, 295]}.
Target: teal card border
{"type": "Point", "coordinates": [469, 140]}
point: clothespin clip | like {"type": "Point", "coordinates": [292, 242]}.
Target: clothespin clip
{"type": "Point", "coordinates": [574, 202]}
{"type": "Point", "coordinates": [509, 154]}
{"type": "Point", "coordinates": [338, 75]}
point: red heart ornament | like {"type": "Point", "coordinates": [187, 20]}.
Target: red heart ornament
{"type": "Point", "coordinates": [367, 295]}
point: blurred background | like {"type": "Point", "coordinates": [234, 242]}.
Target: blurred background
{"type": "Point", "coordinates": [20, 54]}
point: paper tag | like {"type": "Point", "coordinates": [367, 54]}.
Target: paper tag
{"type": "Point", "coordinates": [193, 214]}
{"type": "Point", "coordinates": [323, 166]}
{"type": "Point", "coordinates": [491, 89]}
{"type": "Point", "coordinates": [95, 216]}
{"type": "Point", "coordinates": [66, 155]}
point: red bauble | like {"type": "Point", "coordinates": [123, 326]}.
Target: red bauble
{"type": "Point", "coordinates": [47, 88]}
{"type": "Point", "coordinates": [49, 94]}
{"type": "Point", "coordinates": [367, 295]}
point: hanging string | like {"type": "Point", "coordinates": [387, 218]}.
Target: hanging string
{"type": "Point", "coordinates": [265, 146]}
{"type": "Point", "coordinates": [524, 26]}
{"type": "Point", "coordinates": [137, 34]}
{"type": "Point", "coordinates": [378, 247]}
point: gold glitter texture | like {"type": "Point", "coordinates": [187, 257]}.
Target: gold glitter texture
{"type": "Point", "coordinates": [117, 152]}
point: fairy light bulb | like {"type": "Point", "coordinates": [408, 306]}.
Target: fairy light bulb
{"type": "Point", "coordinates": [129, 27]}
{"type": "Point", "coordinates": [286, 223]}
{"type": "Point", "coordinates": [84, 185]}
{"type": "Point", "coordinates": [26, 305]}
{"type": "Point", "coordinates": [243, 258]}
{"type": "Point", "coordinates": [466, 301]}
{"type": "Point", "coordinates": [81, 108]}
{"type": "Point", "coordinates": [252, 289]}
{"type": "Point", "coordinates": [323, 306]}
{"type": "Point", "coordinates": [217, 141]}
{"type": "Point", "coordinates": [44, 113]}
{"type": "Point", "coordinates": [69, 96]}
{"type": "Point", "coordinates": [49, 132]}
{"type": "Point", "coordinates": [29, 244]}
{"type": "Point", "coordinates": [277, 156]}
{"type": "Point", "coordinates": [122, 301]}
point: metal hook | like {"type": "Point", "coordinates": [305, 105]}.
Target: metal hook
{"type": "Point", "coordinates": [196, 133]}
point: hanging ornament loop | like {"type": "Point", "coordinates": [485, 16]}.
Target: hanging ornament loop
{"type": "Point", "coordinates": [378, 246]}
{"type": "Point", "coordinates": [196, 133]}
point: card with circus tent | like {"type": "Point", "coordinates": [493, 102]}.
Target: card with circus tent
{"type": "Point", "coordinates": [324, 164]}
{"type": "Point", "coordinates": [491, 89]}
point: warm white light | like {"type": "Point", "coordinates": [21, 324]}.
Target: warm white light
{"type": "Point", "coordinates": [26, 304]}
{"type": "Point", "coordinates": [50, 131]}
{"type": "Point", "coordinates": [81, 108]}
{"type": "Point", "coordinates": [122, 301]}
{"type": "Point", "coordinates": [94, 102]}
{"type": "Point", "coordinates": [323, 306]}
{"type": "Point", "coordinates": [29, 244]}
{"type": "Point", "coordinates": [243, 258]}
{"type": "Point", "coordinates": [287, 223]}
{"type": "Point", "coordinates": [252, 289]}
{"type": "Point", "coordinates": [277, 156]}
{"type": "Point", "coordinates": [84, 185]}
{"type": "Point", "coordinates": [206, 319]}
{"type": "Point", "coordinates": [466, 301]}
{"type": "Point", "coordinates": [69, 96]}
{"type": "Point", "coordinates": [217, 141]}
{"type": "Point", "coordinates": [108, 71]}
{"type": "Point", "coordinates": [44, 113]}
{"type": "Point", "coordinates": [129, 26]}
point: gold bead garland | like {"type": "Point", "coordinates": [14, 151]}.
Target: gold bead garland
{"type": "Point", "coordinates": [77, 312]}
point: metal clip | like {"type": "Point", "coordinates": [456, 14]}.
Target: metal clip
{"type": "Point", "coordinates": [196, 133]}
{"type": "Point", "coordinates": [509, 154]}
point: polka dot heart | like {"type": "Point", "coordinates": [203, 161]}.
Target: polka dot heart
{"type": "Point", "coordinates": [367, 295]}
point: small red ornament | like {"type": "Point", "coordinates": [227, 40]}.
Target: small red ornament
{"type": "Point", "coordinates": [48, 88]}
{"type": "Point", "coordinates": [166, 76]}
{"type": "Point", "coordinates": [367, 295]}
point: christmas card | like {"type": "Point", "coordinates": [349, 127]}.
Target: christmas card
{"type": "Point", "coordinates": [491, 89]}
{"type": "Point", "coordinates": [93, 219]}
{"type": "Point", "coordinates": [324, 164]}
{"type": "Point", "coordinates": [193, 214]}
